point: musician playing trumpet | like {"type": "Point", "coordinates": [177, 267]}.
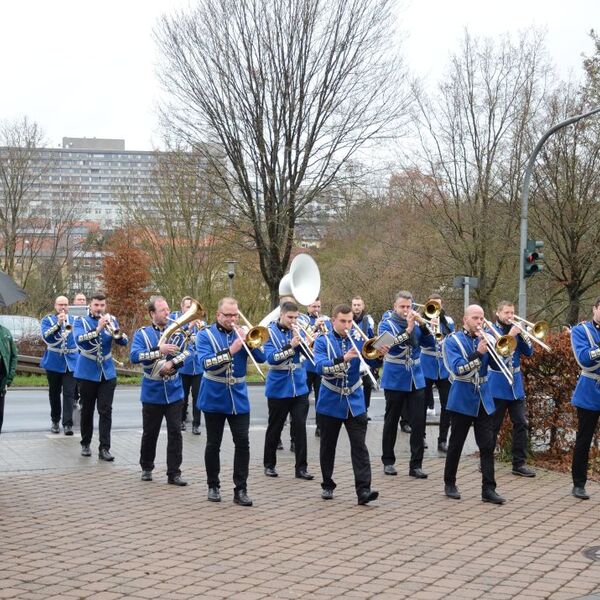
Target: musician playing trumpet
{"type": "Point", "coordinates": [509, 395]}
{"type": "Point", "coordinates": [95, 371]}
{"type": "Point", "coordinates": [466, 356]}
{"type": "Point", "coordinates": [223, 354]}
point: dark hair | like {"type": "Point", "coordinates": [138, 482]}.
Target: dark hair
{"type": "Point", "coordinates": [434, 296]}
{"type": "Point", "coordinates": [504, 303]}
{"type": "Point", "coordinates": [152, 303]}
{"type": "Point", "coordinates": [597, 302]}
{"type": "Point", "coordinates": [99, 296]}
{"type": "Point", "coordinates": [287, 307]}
{"type": "Point", "coordinates": [343, 309]}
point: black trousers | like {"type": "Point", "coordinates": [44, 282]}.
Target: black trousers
{"type": "Point", "coordinates": [191, 382]}
{"type": "Point", "coordinates": [367, 389]}
{"type": "Point", "coordinates": [314, 384]}
{"type": "Point", "coordinates": [586, 426]}
{"type": "Point", "coordinates": [2, 398]}
{"type": "Point", "coordinates": [65, 383]}
{"type": "Point", "coordinates": [411, 404]}
{"type": "Point", "coordinates": [100, 393]}
{"type": "Point", "coordinates": [520, 426]}
{"type": "Point", "coordinates": [361, 463]}
{"type": "Point", "coordinates": [443, 387]}
{"type": "Point", "coordinates": [483, 425]}
{"type": "Point", "coordinates": [152, 416]}
{"type": "Point", "coordinates": [279, 408]}
{"type": "Point", "coordinates": [239, 426]}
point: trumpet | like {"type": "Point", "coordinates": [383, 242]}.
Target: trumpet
{"type": "Point", "coordinates": [534, 331]}
{"type": "Point", "coordinates": [66, 326]}
{"type": "Point", "coordinates": [368, 350]}
{"type": "Point", "coordinates": [113, 328]}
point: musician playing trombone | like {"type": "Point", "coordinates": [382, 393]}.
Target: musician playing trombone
{"type": "Point", "coordinates": [341, 402]}
{"type": "Point", "coordinates": [511, 395]}
{"type": "Point", "coordinates": [223, 354]}
{"type": "Point", "coordinates": [286, 389]}
{"type": "Point", "coordinates": [466, 356]}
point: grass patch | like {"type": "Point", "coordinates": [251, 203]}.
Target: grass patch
{"type": "Point", "coordinates": [35, 380]}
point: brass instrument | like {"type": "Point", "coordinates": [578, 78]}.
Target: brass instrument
{"type": "Point", "coordinates": [362, 360]}
{"type": "Point", "coordinates": [505, 345]}
{"type": "Point", "coordinates": [112, 328]}
{"type": "Point", "coordinates": [255, 336]}
{"type": "Point", "coordinates": [536, 332]}
{"type": "Point", "coordinates": [368, 351]}
{"type": "Point", "coordinates": [307, 343]}
{"type": "Point", "coordinates": [66, 326]}
{"type": "Point", "coordinates": [432, 308]}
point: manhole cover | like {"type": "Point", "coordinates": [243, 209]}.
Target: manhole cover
{"type": "Point", "coordinates": [592, 553]}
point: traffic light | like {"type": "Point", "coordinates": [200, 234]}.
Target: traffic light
{"type": "Point", "coordinates": [533, 257]}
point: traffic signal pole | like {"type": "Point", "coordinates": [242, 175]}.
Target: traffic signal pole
{"type": "Point", "coordinates": [525, 203]}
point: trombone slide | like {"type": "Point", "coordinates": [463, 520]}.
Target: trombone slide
{"type": "Point", "coordinates": [362, 360]}
{"type": "Point", "coordinates": [249, 353]}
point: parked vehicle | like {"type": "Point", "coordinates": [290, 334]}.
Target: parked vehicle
{"type": "Point", "coordinates": [21, 327]}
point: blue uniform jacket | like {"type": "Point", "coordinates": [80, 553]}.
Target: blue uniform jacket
{"type": "Point", "coordinates": [144, 350]}
{"type": "Point", "coordinates": [61, 350]}
{"type": "Point", "coordinates": [310, 368]}
{"type": "Point", "coordinates": [341, 394]}
{"type": "Point", "coordinates": [191, 365]}
{"type": "Point", "coordinates": [499, 386]}
{"type": "Point", "coordinates": [286, 377]}
{"type": "Point", "coordinates": [468, 373]}
{"type": "Point", "coordinates": [432, 361]}
{"type": "Point", "coordinates": [223, 388]}
{"type": "Point", "coordinates": [95, 357]}
{"type": "Point", "coordinates": [402, 365]}
{"type": "Point", "coordinates": [585, 340]}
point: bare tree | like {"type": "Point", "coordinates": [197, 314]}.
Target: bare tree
{"type": "Point", "coordinates": [475, 137]}
{"type": "Point", "coordinates": [290, 90]}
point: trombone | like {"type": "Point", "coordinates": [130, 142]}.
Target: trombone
{"type": "Point", "coordinates": [536, 332]}
{"type": "Point", "coordinates": [499, 347]}
{"type": "Point", "coordinates": [255, 338]}
{"type": "Point", "coordinates": [306, 344]}
{"type": "Point", "coordinates": [368, 350]}
{"type": "Point", "coordinates": [432, 309]}
{"type": "Point", "coordinates": [362, 360]}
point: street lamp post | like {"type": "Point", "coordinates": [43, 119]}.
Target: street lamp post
{"type": "Point", "coordinates": [525, 202]}
{"type": "Point", "coordinates": [231, 273]}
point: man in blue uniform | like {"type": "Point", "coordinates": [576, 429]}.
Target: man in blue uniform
{"type": "Point", "coordinates": [436, 374]}
{"type": "Point", "coordinates": [286, 390]}
{"type": "Point", "coordinates": [224, 397]}
{"type": "Point", "coordinates": [585, 339]}
{"type": "Point", "coordinates": [191, 371]}
{"type": "Point", "coordinates": [162, 392]}
{"type": "Point", "coordinates": [470, 403]}
{"type": "Point", "coordinates": [95, 372]}
{"type": "Point", "coordinates": [366, 324]}
{"type": "Point", "coordinates": [59, 361]}
{"type": "Point", "coordinates": [341, 402]}
{"type": "Point", "coordinates": [511, 396]}
{"type": "Point", "coordinates": [403, 383]}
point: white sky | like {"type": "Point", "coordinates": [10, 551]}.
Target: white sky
{"type": "Point", "coordinates": [87, 69]}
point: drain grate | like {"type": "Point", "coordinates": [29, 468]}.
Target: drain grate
{"type": "Point", "coordinates": [592, 553]}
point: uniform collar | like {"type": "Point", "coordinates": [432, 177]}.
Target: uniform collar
{"type": "Point", "coordinates": [468, 334]}
{"type": "Point", "coordinates": [282, 327]}
{"type": "Point", "coordinates": [596, 325]}
{"type": "Point", "coordinates": [222, 329]}
{"type": "Point", "coordinates": [359, 318]}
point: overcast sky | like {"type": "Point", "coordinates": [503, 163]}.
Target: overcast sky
{"type": "Point", "coordinates": [87, 69]}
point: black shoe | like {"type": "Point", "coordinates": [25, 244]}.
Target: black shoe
{"type": "Point", "coordinates": [241, 497]}
{"type": "Point", "coordinates": [183, 426]}
{"type": "Point", "coordinates": [390, 470]}
{"type": "Point", "coordinates": [327, 494]}
{"type": "Point", "coordinates": [214, 495]}
{"type": "Point", "coordinates": [492, 496]}
{"type": "Point", "coordinates": [55, 428]}
{"type": "Point", "coordinates": [86, 451]}
{"type": "Point", "coordinates": [146, 475]}
{"type": "Point", "coordinates": [177, 480]}
{"type": "Point", "coordinates": [292, 446]}
{"type": "Point", "coordinates": [196, 430]}
{"type": "Point", "coordinates": [271, 472]}
{"type": "Point", "coordinates": [442, 447]}
{"type": "Point", "coordinates": [367, 497]}
{"type": "Point", "coordinates": [68, 429]}
{"type": "Point", "coordinates": [304, 474]}
{"type": "Point", "coordinates": [523, 471]}
{"type": "Point", "coordinates": [279, 445]}
{"type": "Point", "coordinates": [104, 454]}
{"type": "Point", "coordinates": [418, 473]}
{"type": "Point", "coordinates": [317, 432]}
{"type": "Point", "coordinates": [406, 428]}
{"type": "Point", "coordinates": [452, 492]}
{"type": "Point", "coordinates": [579, 492]}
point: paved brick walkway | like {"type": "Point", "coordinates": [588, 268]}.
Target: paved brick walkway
{"type": "Point", "coordinates": [76, 528]}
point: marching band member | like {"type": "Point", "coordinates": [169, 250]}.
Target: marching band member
{"type": "Point", "coordinates": [436, 374]}
{"type": "Point", "coordinates": [403, 383]}
{"type": "Point", "coordinates": [80, 299]}
{"type": "Point", "coordinates": [224, 397]}
{"type": "Point", "coordinates": [367, 326]}
{"type": "Point", "coordinates": [286, 390]}
{"type": "Point", "coordinates": [511, 396]}
{"type": "Point", "coordinates": [191, 371]}
{"type": "Point", "coordinates": [319, 325]}
{"type": "Point", "coordinates": [466, 358]}
{"type": "Point", "coordinates": [585, 340]}
{"type": "Point", "coordinates": [341, 402]}
{"type": "Point", "coordinates": [95, 371]}
{"type": "Point", "coordinates": [59, 361]}
{"type": "Point", "coordinates": [162, 391]}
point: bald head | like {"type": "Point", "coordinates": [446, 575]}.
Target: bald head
{"type": "Point", "coordinates": [61, 304]}
{"type": "Point", "coordinates": [473, 319]}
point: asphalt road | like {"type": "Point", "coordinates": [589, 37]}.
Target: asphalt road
{"type": "Point", "coordinates": [29, 409]}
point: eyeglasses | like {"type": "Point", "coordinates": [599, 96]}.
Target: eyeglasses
{"type": "Point", "coordinates": [229, 315]}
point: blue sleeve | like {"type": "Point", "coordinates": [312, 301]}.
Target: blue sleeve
{"type": "Point", "coordinates": [454, 360]}
{"type": "Point", "coordinates": [258, 354]}
{"type": "Point", "coordinates": [208, 359]}
{"type": "Point", "coordinates": [50, 332]}
{"type": "Point", "coordinates": [139, 346]}
{"type": "Point", "coordinates": [582, 349]}
{"type": "Point", "coordinates": [525, 348]}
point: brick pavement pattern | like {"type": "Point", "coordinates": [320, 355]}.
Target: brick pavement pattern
{"type": "Point", "coordinates": [72, 527]}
